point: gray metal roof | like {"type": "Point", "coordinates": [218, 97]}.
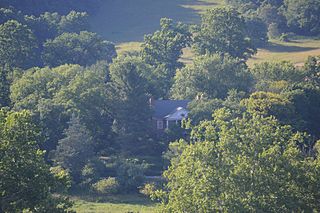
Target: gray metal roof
{"type": "Point", "coordinates": [163, 108]}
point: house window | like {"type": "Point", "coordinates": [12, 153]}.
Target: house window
{"type": "Point", "coordinates": [159, 124]}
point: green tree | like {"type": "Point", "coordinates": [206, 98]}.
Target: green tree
{"type": "Point", "coordinates": [128, 92]}
{"type": "Point", "coordinates": [303, 16]}
{"type": "Point", "coordinates": [26, 181]}
{"type": "Point", "coordinates": [85, 49]}
{"type": "Point", "coordinates": [163, 49]}
{"type": "Point", "coordinates": [74, 22]}
{"type": "Point", "coordinates": [17, 45]}
{"type": "Point", "coordinates": [268, 73]}
{"type": "Point", "coordinates": [257, 31]}
{"type": "Point", "coordinates": [75, 149]}
{"type": "Point", "coordinates": [165, 45]}
{"type": "Point", "coordinates": [248, 164]}
{"type": "Point", "coordinates": [53, 95]}
{"type": "Point", "coordinates": [211, 76]}
{"type": "Point", "coordinates": [4, 88]}
{"type": "Point", "coordinates": [223, 30]}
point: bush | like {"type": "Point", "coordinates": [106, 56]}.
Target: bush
{"type": "Point", "coordinates": [108, 185]}
{"type": "Point", "coordinates": [130, 174]}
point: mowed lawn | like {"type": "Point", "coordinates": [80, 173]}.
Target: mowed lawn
{"type": "Point", "coordinates": [129, 20]}
{"type": "Point", "coordinates": [113, 204]}
{"type": "Point", "coordinates": [296, 51]}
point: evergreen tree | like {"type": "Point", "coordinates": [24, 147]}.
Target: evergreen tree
{"type": "Point", "coordinates": [128, 94]}
{"type": "Point", "coordinates": [74, 151]}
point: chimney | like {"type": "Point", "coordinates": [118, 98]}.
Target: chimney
{"type": "Point", "coordinates": [151, 101]}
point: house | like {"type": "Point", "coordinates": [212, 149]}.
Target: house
{"type": "Point", "coordinates": [168, 113]}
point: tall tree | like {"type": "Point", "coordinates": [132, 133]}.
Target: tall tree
{"type": "Point", "coordinates": [85, 49]}
{"type": "Point", "coordinates": [165, 45]}
{"type": "Point", "coordinates": [247, 164]}
{"type": "Point", "coordinates": [75, 149]}
{"type": "Point", "coordinates": [26, 181]}
{"type": "Point", "coordinates": [17, 45]}
{"type": "Point", "coordinates": [303, 16]}
{"type": "Point", "coordinates": [211, 76]}
{"type": "Point", "coordinates": [223, 30]}
{"type": "Point", "coordinates": [128, 92]}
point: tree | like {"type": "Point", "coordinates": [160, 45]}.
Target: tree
{"type": "Point", "coordinates": [17, 45]}
{"type": "Point", "coordinates": [75, 149]}
{"type": "Point", "coordinates": [303, 16]}
{"type": "Point", "coordinates": [85, 49]}
{"type": "Point", "coordinates": [128, 93]}
{"type": "Point", "coordinates": [267, 74]}
{"type": "Point", "coordinates": [53, 95]}
{"type": "Point", "coordinates": [257, 31]}
{"type": "Point", "coordinates": [247, 164]}
{"type": "Point", "coordinates": [4, 88]}
{"type": "Point", "coordinates": [223, 30]}
{"type": "Point", "coordinates": [162, 49]}
{"type": "Point", "coordinates": [165, 45]}
{"type": "Point", "coordinates": [26, 181]}
{"type": "Point", "coordinates": [211, 76]}
{"type": "Point", "coordinates": [74, 22]}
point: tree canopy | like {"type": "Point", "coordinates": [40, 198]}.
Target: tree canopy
{"type": "Point", "coordinates": [223, 30]}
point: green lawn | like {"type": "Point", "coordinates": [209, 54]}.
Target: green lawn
{"type": "Point", "coordinates": [296, 51]}
{"type": "Point", "coordinates": [126, 26]}
{"type": "Point", "coordinates": [128, 20]}
{"type": "Point", "coordinates": [113, 204]}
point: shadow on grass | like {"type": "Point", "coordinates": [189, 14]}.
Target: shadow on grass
{"type": "Point", "coordinates": [128, 20]}
{"type": "Point", "coordinates": [278, 48]}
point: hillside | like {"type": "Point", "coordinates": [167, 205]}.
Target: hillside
{"type": "Point", "coordinates": [126, 24]}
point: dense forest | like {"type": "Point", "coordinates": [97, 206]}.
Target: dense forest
{"type": "Point", "coordinates": [76, 116]}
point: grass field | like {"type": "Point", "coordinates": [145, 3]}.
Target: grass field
{"type": "Point", "coordinates": [113, 204]}
{"type": "Point", "coordinates": [296, 51]}
{"type": "Point", "coordinates": [119, 23]}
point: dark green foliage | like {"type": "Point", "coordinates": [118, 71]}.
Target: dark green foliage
{"type": "Point", "coordinates": [4, 88]}
{"type": "Point", "coordinates": [26, 181]}
{"type": "Point", "coordinates": [305, 98]}
{"type": "Point", "coordinates": [303, 16]}
{"type": "Point", "coordinates": [53, 95]}
{"type": "Point", "coordinates": [127, 92]}
{"type": "Point", "coordinates": [271, 14]}
{"type": "Point", "coordinates": [85, 48]}
{"type": "Point", "coordinates": [257, 31]}
{"type": "Point", "coordinates": [211, 76]}
{"type": "Point", "coordinates": [49, 25]}
{"type": "Point", "coordinates": [202, 109]}
{"type": "Point", "coordinates": [74, 22]}
{"type": "Point", "coordinates": [130, 174]}
{"type": "Point", "coordinates": [162, 50]}
{"type": "Point", "coordinates": [223, 30]}
{"type": "Point", "coordinates": [17, 45]}
{"type": "Point", "coordinates": [75, 149]}
{"type": "Point", "coordinates": [165, 45]}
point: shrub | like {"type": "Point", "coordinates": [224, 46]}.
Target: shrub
{"type": "Point", "coordinates": [130, 174]}
{"type": "Point", "coordinates": [108, 185]}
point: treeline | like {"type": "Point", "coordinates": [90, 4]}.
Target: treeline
{"type": "Point", "coordinates": [283, 16]}
{"type": "Point", "coordinates": [82, 115]}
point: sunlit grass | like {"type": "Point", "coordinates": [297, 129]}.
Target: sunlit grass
{"type": "Point", "coordinates": [296, 51]}
{"type": "Point", "coordinates": [201, 6]}
{"type": "Point", "coordinates": [113, 204]}
{"type": "Point", "coordinates": [128, 47]}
